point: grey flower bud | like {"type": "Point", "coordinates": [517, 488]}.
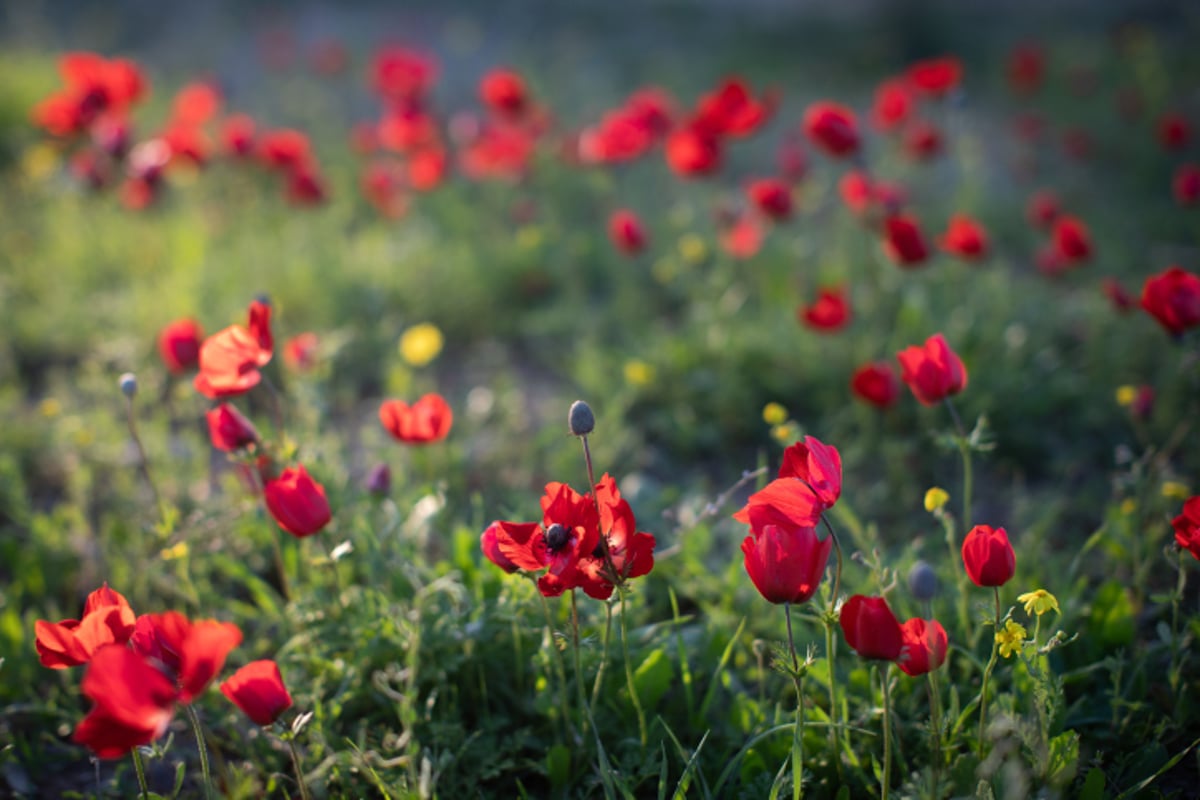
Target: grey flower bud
{"type": "Point", "coordinates": [580, 419]}
{"type": "Point", "coordinates": [128, 384]}
{"type": "Point", "coordinates": [922, 581]}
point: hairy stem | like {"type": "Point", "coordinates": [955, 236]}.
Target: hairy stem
{"type": "Point", "coordinates": [198, 731]}
{"type": "Point", "coordinates": [558, 659]}
{"type": "Point", "coordinates": [140, 768]}
{"type": "Point", "coordinates": [599, 682]}
{"type": "Point", "coordinates": [633, 694]}
{"type": "Point", "coordinates": [798, 731]}
{"type": "Point", "coordinates": [886, 780]}
{"type": "Point", "coordinates": [987, 674]}
{"type": "Point", "coordinates": [304, 795]}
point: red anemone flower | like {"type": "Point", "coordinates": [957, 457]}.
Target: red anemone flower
{"type": "Point", "coordinates": [623, 553]}
{"type": "Point", "coordinates": [191, 653]}
{"type": "Point", "coordinates": [965, 238]}
{"type": "Point", "coordinates": [229, 430]}
{"type": "Point", "coordinates": [830, 312]}
{"type": "Point", "coordinates": [1072, 241]}
{"type": "Point", "coordinates": [833, 128]}
{"type": "Point", "coordinates": [179, 345]}
{"type": "Point", "coordinates": [570, 529]}
{"type": "Point", "coordinates": [258, 690]}
{"type": "Point", "coordinates": [1118, 295]}
{"type": "Point", "coordinates": [893, 104]}
{"type": "Point", "coordinates": [876, 384]}
{"type": "Point", "coordinates": [871, 628]}
{"type": "Point", "coordinates": [904, 243]}
{"type": "Point", "coordinates": [772, 197]}
{"type": "Point", "coordinates": [300, 352]}
{"type": "Point", "coordinates": [743, 237]}
{"type": "Point", "coordinates": [925, 645]}
{"type": "Point", "coordinates": [237, 135]}
{"type": "Point", "coordinates": [808, 483]}
{"type": "Point", "coordinates": [692, 152]}
{"type": "Point", "coordinates": [504, 92]}
{"type": "Point", "coordinates": [1173, 298]}
{"type": "Point", "coordinates": [297, 502]}
{"type": "Point", "coordinates": [785, 564]}
{"type": "Point", "coordinates": [626, 231]}
{"type": "Point", "coordinates": [730, 110]}
{"type": "Point", "coordinates": [1174, 132]}
{"type": "Point", "coordinates": [230, 359]}
{"type": "Point", "coordinates": [1187, 527]}
{"type": "Point", "coordinates": [1043, 209]}
{"type": "Point", "coordinates": [133, 702]}
{"type": "Point", "coordinates": [922, 141]}
{"type": "Point", "coordinates": [427, 420]}
{"type": "Point", "coordinates": [1185, 186]}
{"type": "Point", "coordinates": [1026, 65]}
{"type": "Point", "coordinates": [933, 371]}
{"type": "Point", "coordinates": [107, 619]}
{"type": "Point", "coordinates": [988, 557]}
{"type": "Point", "coordinates": [935, 76]}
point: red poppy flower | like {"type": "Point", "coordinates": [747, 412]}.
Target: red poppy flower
{"type": "Point", "coordinates": [692, 152]}
{"type": "Point", "coordinates": [229, 430]}
{"type": "Point", "coordinates": [933, 371]}
{"type": "Point", "coordinates": [504, 92]}
{"type": "Point", "coordinates": [297, 502]}
{"type": "Point", "coordinates": [925, 645]}
{"type": "Point", "coordinates": [258, 690]}
{"type": "Point", "coordinates": [743, 237]}
{"type": "Point", "coordinates": [876, 384]}
{"type": "Point", "coordinates": [893, 104]}
{"type": "Point", "coordinates": [1026, 66]}
{"type": "Point", "coordinates": [1143, 402]}
{"type": "Point", "coordinates": [570, 529]}
{"type": "Point", "coordinates": [133, 702]}
{"type": "Point", "coordinates": [935, 76]}
{"type": "Point", "coordinates": [489, 544]}
{"type": "Point", "coordinates": [107, 619]}
{"type": "Point", "coordinates": [630, 552]}
{"type": "Point", "coordinates": [1072, 241]}
{"type": "Point", "coordinates": [1173, 298]}
{"type": "Point", "coordinates": [833, 128]}
{"type": "Point", "coordinates": [809, 482]}
{"type": "Point", "coordinates": [230, 359]}
{"type": "Point", "coordinates": [965, 238]}
{"type": "Point", "coordinates": [830, 312]}
{"type": "Point", "coordinates": [922, 141]}
{"type": "Point", "coordinates": [300, 352]}
{"type": "Point", "coordinates": [785, 564]}
{"type": "Point", "coordinates": [1174, 132]}
{"type": "Point", "coordinates": [191, 653]}
{"type": "Point", "coordinates": [857, 191]}
{"type": "Point", "coordinates": [179, 345]}
{"type": "Point", "coordinates": [1118, 295]}
{"type": "Point", "coordinates": [1043, 209]}
{"type": "Point", "coordinates": [988, 556]}
{"type": "Point", "coordinates": [772, 197]}
{"type": "Point", "coordinates": [427, 420]}
{"type": "Point", "coordinates": [427, 168]}
{"type": "Point", "coordinates": [93, 87]}
{"type": "Point", "coordinates": [406, 127]}
{"type": "Point", "coordinates": [401, 74]}
{"type": "Point", "coordinates": [195, 104]}
{"type": "Point", "coordinates": [1185, 186]}
{"type": "Point", "coordinates": [237, 135]}
{"type": "Point", "coordinates": [499, 151]}
{"type": "Point", "coordinates": [871, 628]}
{"type": "Point", "coordinates": [1187, 527]}
{"type": "Point", "coordinates": [626, 232]}
{"type": "Point", "coordinates": [730, 110]}
{"type": "Point", "coordinates": [903, 241]}
{"type": "Point", "coordinates": [304, 186]}
{"type": "Point", "coordinates": [284, 149]}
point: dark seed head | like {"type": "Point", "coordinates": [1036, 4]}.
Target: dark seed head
{"type": "Point", "coordinates": [922, 581]}
{"type": "Point", "coordinates": [556, 537]}
{"type": "Point", "coordinates": [580, 419]}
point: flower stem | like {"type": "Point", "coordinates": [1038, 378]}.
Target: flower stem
{"type": "Point", "coordinates": [887, 730]}
{"type": "Point", "coordinates": [633, 694]}
{"type": "Point", "coordinates": [582, 700]}
{"type": "Point", "coordinates": [1175, 676]}
{"type": "Point", "coordinates": [935, 724]}
{"type": "Point", "coordinates": [304, 795]}
{"type": "Point", "coordinates": [194, 718]}
{"type": "Point", "coordinates": [835, 735]}
{"type": "Point", "coordinates": [143, 461]}
{"type": "Point", "coordinates": [558, 659]}
{"type": "Point", "coordinates": [798, 731]}
{"type": "Point", "coordinates": [140, 768]}
{"type": "Point", "coordinates": [284, 590]}
{"type": "Point", "coordinates": [599, 682]}
{"type": "Point", "coordinates": [987, 674]}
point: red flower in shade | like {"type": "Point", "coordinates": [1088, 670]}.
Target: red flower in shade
{"type": "Point", "coordinates": [179, 345]}
{"type": "Point", "coordinates": [93, 86]}
{"type": "Point", "coordinates": [1026, 66]}
{"type": "Point", "coordinates": [133, 702]}
{"type": "Point", "coordinates": [871, 628]}
{"type": "Point", "coordinates": [922, 141]}
{"type": "Point", "coordinates": [191, 653]}
{"type": "Point", "coordinates": [1042, 209]}
{"type": "Point", "coordinates": [925, 645]}
{"type": "Point", "coordinates": [401, 74]}
{"type": "Point", "coordinates": [300, 352]}
{"type": "Point", "coordinates": [933, 371]}
{"type": "Point", "coordinates": [1143, 402]}
{"type": "Point", "coordinates": [229, 430]}
{"type": "Point", "coordinates": [833, 128]}
{"type": "Point", "coordinates": [893, 104]}
{"type": "Point", "coordinates": [935, 76]}
{"type": "Point", "coordinates": [785, 564]}
{"type": "Point", "coordinates": [195, 104]}
{"type": "Point", "coordinates": [1187, 527]}
{"type": "Point", "coordinates": [297, 502]}
{"type": "Point", "coordinates": [792, 160]}
{"type": "Point", "coordinates": [876, 384]}
{"type": "Point", "coordinates": [499, 151]}
{"type": "Point", "coordinates": [988, 557]}
{"type": "Point", "coordinates": [743, 237]}
{"type": "Point", "coordinates": [504, 92]}
{"type": "Point", "coordinates": [1185, 186]}
{"type": "Point", "coordinates": [1072, 241]}
{"type": "Point", "coordinates": [630, 552]}
{"type": "Point", "coordinates": [427, 168]}
{"type": "Point", "coordinates": [107, 619]}
{"type": "Point", "coordinates": [1173, 298]}
{"type": "Point", "coordinates": [903, 241]}
{"type": "Point", "coordinates": [692, 152]}
{"type": "Point", "coordinates": [1118, 295]}
{"type": "Point", "coordinates": [965, 238]}
{"type": "Point", "coordinates": [861, 194]}
{"type": "Point", "coordinates": [626, 232]}
{"type": "Point", "coordinates": [405, 128]}
{"type": "Point", "coordinates": [427, 420]}
{"type": "Point", "coordinates": [304, 186]}
{"type": "Point", "coordinates": [489, 543]}
{"type": "Point", "coordinates": [730, 110]}
{"type": "Point", "coordinates": [772, 197]}
{"type": "Point", "coordinates": [237, 135]}
{"type": "Point", "coordinates": [1174, 132]}
{"type": "Point", "coordinates": [382, 184]}
{"type": "Point", "coordinates": [809, 482]}
{"type": "Point", "coordinates": [284, 149]}
{"type": "Point", "coordinates": [230, 359]}
{"type": "Point", "coordinates": [258, 690]}
{"type": "Point", "coordinates": [570, 529]}
{"type": "Point", "coordinates": [830, 312]}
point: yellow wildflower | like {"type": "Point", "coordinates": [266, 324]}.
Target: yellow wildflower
{"type": "Point", "coordinates": [638, 372]}
{"type": "Point", "coordinates": [1039, 601]}
{"type": "Point", "coordinates": [784, 434]}
{"type": "Point", "coordinates": [174, 552]}
{"type": "Point", "coordinates": [1126, 395]}
{"type": "Point", "coordinates": [421, 344]}
{"type": "Point", "coordinates": [935, 498]}
{"type": "Point", "coordinates": [50, 407]}
{"type": "Point", "coordinates": [1174, 490]}
{"type": "Point", "coordinates": [1128, 506]}
{"type": "Point", "coordinates": [692, 248]}
{"type": "Point", "coordinates": [774, 414]}
{"type": "Point", "coordinates": [1011, 639]}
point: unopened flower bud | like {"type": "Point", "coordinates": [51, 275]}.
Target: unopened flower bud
{"type": "Point", "coordinates": [379, 480]}
{"type": "Point", "coordinates": [922, 581]}
{"type": "Point", "coordinates": [580, 419]}
{"type": "Point", "coordinates": [128, 384]}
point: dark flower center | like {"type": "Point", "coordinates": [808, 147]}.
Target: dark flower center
{"type": "Point", "coordinates": [556, 537]}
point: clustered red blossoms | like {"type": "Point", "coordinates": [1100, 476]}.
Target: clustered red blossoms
{"type": "Point", "coordinates": [427, 420]}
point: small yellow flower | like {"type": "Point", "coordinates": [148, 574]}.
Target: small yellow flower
{"type": "Point", "coordinates": [774, 414]}
{"type": "Point", "coordinates": [50, 408]}
{"type": "Point", "coordinates": [530, 237]}
{"type": "Point", "coordinates": [784, 434]}
{"type": "Point", "coordinates": [1126, 395]}
{"type": "Point", "coordinates": [638, 372]}
{"type": "Point", "coordinates": [174, 552]}
{"type": "Point", "coordinates": [39, 161]}
{"type": "Point", "coordinates": [692, 248]}
{"type": "Point", "coordinates": [421, 344]}
{"type": "Point", "coordinates": [1011, 639]}
{"type": "Point", "coordinates": [935, 498]}
{"type": "Point", "coordinates": [1039, 601]}
{"type": "Point", "coordinates": [1174, 490]}
{"type": "Point", "coordinates": [1128, 506]}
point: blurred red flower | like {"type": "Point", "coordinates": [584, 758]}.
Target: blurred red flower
{"type": "Point", "coordinates": [1072, 240]}
{"type": "Point", "coordinates": [922, 141]}
{"type": "Point", "coordinates": [988, 557]}
{"type": "Point", "coordinates": [401, 74]}
{"type": "Point", "coordinates": [833, 128]}
{"type": "Point", "coordinates": [237, 135]}
{"type": "Point", "coordinates": [743, 237]}
{"type": "Point", "coordinates": [107, 619]}
{"type": "Point", "coordinates": [830, 312]}
{"type": "Point", "coordinates": [772, 197]}
{"type": "Point", "coordinates": [1187, 527]}
{"type": "Point", "coordinates": [626, 232]}
{"type": "Point", "coordinates": [195, 104]}
{"type": "Point", "coordinates": [284, 149]}
{"type": "Point", "coordinates": [258, 690]}
{"type": "Point", "coordinates": [1118, 295]}
{"type": "Point", "coordinates": [93, 86]}
{"type": "Point", "coordinates": [630, 552]}
{"type": "Point", "coordinates": [893, 104]}
{"type": "Point", "coordinates": [785, 564]}
{"type": "Point", "coordinates": [297, 502]}
{"type": "Point", "coordinates": [229, 430]}
{"type": "Point", "coordinates": [190, 653]}
{"type": "Point", "coordinates": [730, 110]}
{"type": "Point", "coordinates": [925, 645]}
{"type": "Point", "coordinates": [1042, 209]}
{"type": "Point", "coordinates": [933, 371]}
{"type": "Point", "coordinates": [132, 702]}
{"type": "Point", "coordinates": [935, 76]}
{"type": "Point", "coordinates": [427, 420]}
{"type": "Point", "coordinates": [965, 238]}
{"type": "Point", "coordinates": [692, 152]}
{"type": "Point", "coordinates": [179, 345]}
{"type": "Point", "coordinates": [230, 359]}
{"type": "Point", "coordinates": [903, 242]}
{"type": "Point", "coordinates": [570, 529]}
{"type": "Point", "coordinates": [300, 351]}
{"type": "Point", "coordinates": [504, 92]}
{"type": "Point", "coordinates": [792, 160]}
{"type": "Point", "coordinates": [1173, 298]}
{"type": "Point", "coordinates": [427, 168]}
{"type": "Point", "coordinates": [1174, 131]}
{"type": "Point", "coordinates": [809, 483]}
{"type": "Point", "coordinates": [1026, 67]}
{"type": "Point", "coordinates": [1185, 185]}
{"type": "Point", "coordinates": [876, 384]}
{"type": "Point", "coordinates": [871, 628]}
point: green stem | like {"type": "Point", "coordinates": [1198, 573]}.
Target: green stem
{"type": "Point", "coordinates": [887, 731]}
{"type": "Point", "coordinates": [633, 694]}
{"type": "Point", "coordinates": [581, 699]}
{"type": "Point", "coordinates": [284, 590]}
{"type": "Point", "coordinates": [304, 795]}
{"type": "Point", "coordinates": [143, 462]}
{"type": "Point", "coordinates": [599, 682]}
{"type": "Point", "coordinates": [987, 674]}
{"type": "Point", "coordinates": [935, 723]}
{"type": "Point", "coordinates": [834, 729]}
{"type": "Point", "coordinates": [194, 718]}
{"type": "Point", "coordinates": [798, 730]}
{"type": "Point", "coordinates": [140, 768]}
{"type": "Point", "coordinates": [558, 659]}
{"type": "Point", "coordinates": [1176, 661]}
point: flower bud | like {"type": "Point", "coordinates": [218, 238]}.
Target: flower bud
{"type": "Point", "coordinates": [379, 480]}
{"type": "Point", "coordinates": [128, 384]}
{"type": "Point", "coordinates": [580, 419]}
{"type": "Point", "coordinates": [922, 581]}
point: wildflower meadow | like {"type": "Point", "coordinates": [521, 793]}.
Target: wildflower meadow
{"type": "Point", "coordinates": [566, 400]}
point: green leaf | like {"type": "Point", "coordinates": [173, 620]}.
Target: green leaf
{"type": "Point", "coordinates": [1111, 620]}
{"type": "Point", "coordinates": [653, 677]}
{"type": "Point", "coordinates": [1064, 759]}
{"type": "Point", "coordinates": [558, 765]}
{"type": "Point", "coordinates": [1093, 785]}
{"type": "Point", "coordinates": [180, 773]}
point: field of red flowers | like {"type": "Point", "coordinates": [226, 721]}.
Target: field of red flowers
{"type": "Point", "coordinates": [552, 402]}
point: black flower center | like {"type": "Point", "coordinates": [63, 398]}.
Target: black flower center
{"type": "Point", "coordinates": [556, 537]}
